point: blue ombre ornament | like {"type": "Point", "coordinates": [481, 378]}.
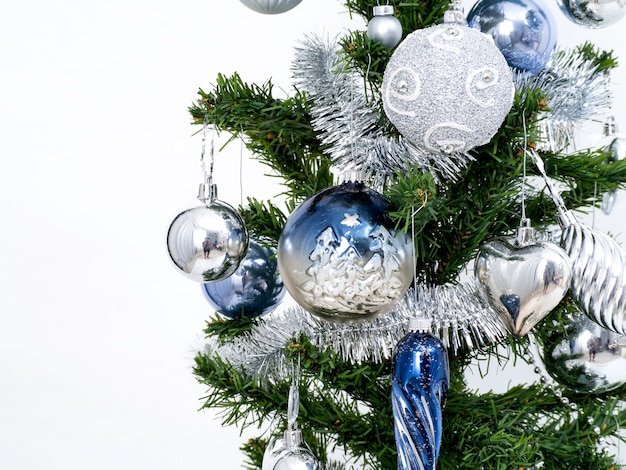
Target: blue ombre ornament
{"type": "Point", "coordinates": [254, 289]}
{"type": "Point", "coordinates": [524, 32]}
{"type": "Point", "coordinates": [421, 377]}
{"type": "Point", "coordinates": [341, 257]}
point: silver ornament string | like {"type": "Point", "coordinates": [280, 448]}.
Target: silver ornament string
{"type": "Point", "coordinates": [207, 191]}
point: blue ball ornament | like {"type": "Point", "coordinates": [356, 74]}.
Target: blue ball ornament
{"type": "Point", "coordinates": [419, 389]}
{"type": "Point", "coordinates": [341, 257]}
{"type": "Point", "coordinates": [254, 289]}
{"type": "Point", "coordinates": [525, 33]}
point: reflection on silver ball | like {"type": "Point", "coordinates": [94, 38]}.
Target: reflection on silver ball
{"type": "Point", "coordinates": [271, 7]}
{"type": "Point", "coordinates": [596, 14]}
{"type": "Point", "coordinates": [447, 88]}
{"type": "Point", "coordinates": [524, 32]}
{"type": "Point", "coordinates": [297, 459]}
{"type": "Point", "coordinates": [207, 243]}
{"type": "Point", "coordinates": [254, 289]}
{"type": "Point", "coordinates": [340, 256]}
{"type": "Point", "coordinates": [584, 357]}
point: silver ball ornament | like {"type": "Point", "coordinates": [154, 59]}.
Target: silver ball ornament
{"type": "Point", "coordinates": [208, 242]}
{"type": "Point", "coordinates": [593, 15]}
{"type": "Point", "coordinates": [254, 289]}
{"type": "Point", "coordinates": [340, 256]}
{"type": "Point", "coordinates": [584, 357]}
{"type": "Point", "coordinates": [447, 88]}
{"type": "Point", "coordinates": [525, 33]}
{"type": "Point", "coordinates": [384, 27]}
{"type": "Point", "coordinates": [271, 7]}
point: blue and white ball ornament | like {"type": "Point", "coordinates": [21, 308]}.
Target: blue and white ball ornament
{"type": "Point", "coordinates": [525, 33]}
{"type": "Point", "coordinates": [254, 289]}
{"type": "Point", "coordinates": [340, 256]}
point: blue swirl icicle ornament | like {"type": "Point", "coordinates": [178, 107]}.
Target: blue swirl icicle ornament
{"type": "Point", "coordinates": [421, 377]}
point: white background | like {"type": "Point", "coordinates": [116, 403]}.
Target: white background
{"type": "Point", "coordinates": [97, 329]}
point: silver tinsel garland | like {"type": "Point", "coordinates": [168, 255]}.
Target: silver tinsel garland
{"type": "Point", "coordinates": [347, 112]}
{"type": "Point", "coordinates": [458, 315]}
{"type": "Point", "coordinates": [575, 91]}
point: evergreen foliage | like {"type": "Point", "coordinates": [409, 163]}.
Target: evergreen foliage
{"type": "Point", "coordinates": [348, 405]}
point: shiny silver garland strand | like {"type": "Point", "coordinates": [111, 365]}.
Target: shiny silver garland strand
{"type": "Point", "coordinates": [575, 91]}
{"type": "Point", "coordinates": [459, 317]}
{"type": "Point", "coordinates": [346, 112]}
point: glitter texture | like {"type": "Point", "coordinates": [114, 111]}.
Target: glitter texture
{"type": "Point", "coordinates": [447, 88]}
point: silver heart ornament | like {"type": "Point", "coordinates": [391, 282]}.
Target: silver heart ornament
{"type": "Point", "coordinates": [522, 282]}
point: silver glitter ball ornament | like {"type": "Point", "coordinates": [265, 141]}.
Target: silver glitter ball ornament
{"type": "Point", "coordinates": [384, 27]}
{"type": "Point", "coordinates": [271, 7]}
{"type": "Point", "coordinates": [254, 289]}
{"type": "Point", "coordinates": [340, 256]}
{"type": "Point", "coordinates": [597, 14]}
{"type": "Point", "coordinates": [525, 33]}
{"type": "Point", "coordinates": [522, 280]}
{"type": "Point", "coordinates": [447, 88]}
{"type": "Point", "coordinates": [208, 242]}
{"type": "Point", "coordinates": [584, 357]}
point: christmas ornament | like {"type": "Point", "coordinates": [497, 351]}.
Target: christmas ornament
{"type": "Point", "coordinates": [584, 357]}
{"type": "Point", "coordinates": [340, 256]}
{"type": "Point", "coordinates": [523, 280]}
{"type": "Point", "coordinates": [271, 7]}
{"type": "Point", "coordinates": [593, 14]}
{"type": "Point", "coordinates": [254, 289]}
{"type": "Point", "coordinates": [419, 388]}
{"type": "Point", "coordinates": [290, 452]}
{"type": "Point", "coordinates": [617, 149]}
{"type": "Point", "coordinates": [384, 27]}
{"type": "Point", "coordinates": [447, 88]}
{"type": "Point", "coordinates": [346, 115]}
{"type": "Point", "coordinates": [523, 31]}
{"type": "Point", "coordinates": [208, 242]}
{"type": "Point", "coordinates": [598, 265]}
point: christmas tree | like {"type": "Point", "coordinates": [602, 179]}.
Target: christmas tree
{"type": "Point", "coordinates": [493, 194]}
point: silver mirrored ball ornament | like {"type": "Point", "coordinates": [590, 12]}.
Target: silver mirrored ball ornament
{"type": "Point", "coordinates": [208, 242]}
{"type": "Point", "coordinates": [593, 15]}
{"type": "Point", "coordinates": [584, 357]}
{"type": "Point", "coordinates": [340, 256]}
{"type": "Point", "coordinates": [271, 7]}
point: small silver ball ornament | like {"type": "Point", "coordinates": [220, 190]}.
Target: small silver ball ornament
{"type": "Point", "coordinates": [384, 27]}
{"type": "Point", "coordinates": [340, 256]}
{"type": "Point", "coordinates": [271, 7]}
{"type": "Point", "coordinates": [593, 15]}
{"type": "Point", "coordinates": [207, 243]}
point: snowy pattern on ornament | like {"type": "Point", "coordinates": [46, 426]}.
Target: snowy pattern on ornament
{"type": "Point", "coordinates": [340, 256]}
{"type": "Point", "coordinates": [341, 278]}
{"type": "Point", "coordinates": [447, 88]}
